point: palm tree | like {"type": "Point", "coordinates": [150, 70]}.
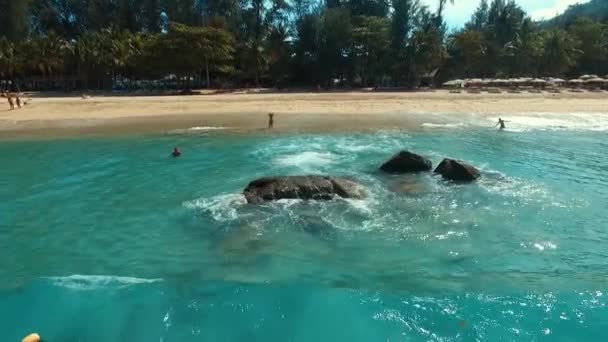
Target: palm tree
{"type": "Point", "coordinates": [9, 60]}
{"type": "Point", "coordinates": [560, 53]}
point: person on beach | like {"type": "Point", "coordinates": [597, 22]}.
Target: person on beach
{"type": "Point", "coordinates": [10, 100]}
{"type": "Point", "coordinates": [18, 101]}
{"type": "Point", "coordinates": [501, 123]}
{"type": "Point", "coordinates": [270, 120]}
{"type": "Point", "coordinates": [176, 153]}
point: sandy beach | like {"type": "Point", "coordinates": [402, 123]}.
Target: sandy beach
{"type": "Point", "coordinates": [61, 116]}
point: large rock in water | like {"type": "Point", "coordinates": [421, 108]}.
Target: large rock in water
{"type": "Point", "coordinates": [457, 170]}
{"type": "Point", "coordinates": [406, 162]}
{"type": "Point", "coordinates": [302, 187]}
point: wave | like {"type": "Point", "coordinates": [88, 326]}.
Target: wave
{"type": "Point", "coordinates": [595, 122]}
{"type": "Point", "coordinates": [444, 126]}
{"type": "Point", "coordinates": [197, 129]}
{"type": "Point", "coordinates": [206, 128]}
{"type": "Point", "coordinates": [306, 160]}
{"type": "Point", "coordinates": [93, 282]}
{"type": "Point", "coordinates": [222, 207]}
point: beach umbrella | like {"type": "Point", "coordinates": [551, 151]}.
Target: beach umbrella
{"type": "Point", "coordinates": [575, 82]}
{"type": "Point", "coordinates": [557, 80]}
{"type": "Point", "coordinates": [595, 82]}
{"type": "Point", "coordinates": [538, 82]}
{"type": "Point", "coordinates": [474, 82]}
{"type": "Point", "coordinates": [587, 77]}
{"type": "Point", "coordinates": [454, 83]}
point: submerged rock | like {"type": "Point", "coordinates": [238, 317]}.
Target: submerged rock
{"type": "Point", "coordinates": [407, 162]}
{"type": "Point", "coordinates": [457, 170]}
{"type": "Point", "coordinates": [302, 187]}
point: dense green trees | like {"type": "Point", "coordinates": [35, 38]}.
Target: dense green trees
{"type": "Point", "coordinates": [103, 43]}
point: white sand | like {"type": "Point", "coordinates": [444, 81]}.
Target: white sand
{"type": "Point", "coordinates": [294, 111]}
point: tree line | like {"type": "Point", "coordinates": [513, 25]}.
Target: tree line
{"type": "Point", "coordinates": [79, 44]}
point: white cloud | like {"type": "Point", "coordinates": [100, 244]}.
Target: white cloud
{"type": "Point", "coordinates": [456, 14]}
{"type": "Point", "coordinates": [461, 11]}
{"type": "Point", "coordinates": [559, 8]}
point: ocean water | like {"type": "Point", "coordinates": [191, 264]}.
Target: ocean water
{"type": "Point", "coordinates": [109, 239]}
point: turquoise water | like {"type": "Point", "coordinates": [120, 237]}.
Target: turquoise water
{"type": "Point", "coordinates": [108, 239]}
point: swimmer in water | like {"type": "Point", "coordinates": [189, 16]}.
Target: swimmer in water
{"type": "Point", "coordinates": [501, 123]}
{"type": "Point", "coordinates": [176, 153]}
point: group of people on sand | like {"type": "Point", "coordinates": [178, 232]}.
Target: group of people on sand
{"type": "Point", "coordinates": [13, 99]}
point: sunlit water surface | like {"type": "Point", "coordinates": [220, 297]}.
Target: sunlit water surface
{"type": "Point", "coordinates": [109, 239]}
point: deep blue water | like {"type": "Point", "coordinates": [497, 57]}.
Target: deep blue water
{"type": "Point", "coordinates": [109, 239]}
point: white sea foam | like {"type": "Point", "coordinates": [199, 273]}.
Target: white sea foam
{"type": "Point", "coordinates": [222, 207]}
{"type": "Point", "coordinates": [93, 282]}
{"type": "Point", "coordinates": [206, 128]}
{"type": "Point", "coordinates": [444, 126]}
{"type": "Point", "coordinates": [554, 122]}
{"type": "Point", "coordinates": [197, 129]}
{"type": "Point", "coordinates": [306, 160]}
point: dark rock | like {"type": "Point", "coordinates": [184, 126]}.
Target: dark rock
{"type": "Point", "coordinates": [457, 170]}
{"type": "Point", "coordinates": [302, 187]}
{"type": "Point", "coordinates": [407, 162]}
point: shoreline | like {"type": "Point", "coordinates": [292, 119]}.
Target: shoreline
{"type": "Point", "coordinates": [54, 116]}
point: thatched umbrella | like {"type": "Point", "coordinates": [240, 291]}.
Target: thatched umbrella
{"type": "Point", "coordinates": [474, 82]}
{"type": "Point", "coordinates": [454, 84]}
{"type": "Point", "coordinates": [587, 77]}
{"type": "Point", "coordinates": [595, 82]}
{"type": "Point", "coordinates": [537, 83]}
{"type": "Point", "coordinates": [500, 82]}
{"type": "Point", "coordinates": [576, 82]}
{"type": "Point", "coordinates": [557, 80]}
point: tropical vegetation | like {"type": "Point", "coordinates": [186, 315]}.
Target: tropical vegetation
{"type": "Point", "coordinates": [110, 44]}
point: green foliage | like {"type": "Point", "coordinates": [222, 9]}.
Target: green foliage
{"type": "Point", "coordinates": [291, 43]}
{"type": "Point", "coordinates": [559, 54]}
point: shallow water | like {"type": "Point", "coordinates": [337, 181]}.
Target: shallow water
{"type": "Point", "coordinates": [108, 239]}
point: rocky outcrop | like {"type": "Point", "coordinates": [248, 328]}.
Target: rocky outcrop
{"type": "Point", "coordinates": [457, 170]}
{"type": "Point", "coordinates": [407, 162]}
{"type": "Point", "coordinates": [302, 187]}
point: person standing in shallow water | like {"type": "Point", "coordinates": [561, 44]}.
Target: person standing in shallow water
{"type": "Point", "coordinates": [270, 120]}
{"type": "Point", "coordinates": [501, 123]}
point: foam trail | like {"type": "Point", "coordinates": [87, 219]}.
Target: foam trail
{"type": "Point", "coordinates": [222, 207]}
{"type": "Point", "coordinates": [93, 282]}
{"type": "Point", "coordinates": [306, 159]}
{"type": "Point", "coordinates": [444, 126]}
{"type": "Point", "coordinates": [552, 122]}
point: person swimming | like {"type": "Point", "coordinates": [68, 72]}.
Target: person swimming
{"type": "Point", "coordinates": [501, 123]}
{"type": "Point", "coordinates": [176, 153]}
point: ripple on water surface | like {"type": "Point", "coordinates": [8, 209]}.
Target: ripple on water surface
{"type": "Point", "coordinates": [116, 233]}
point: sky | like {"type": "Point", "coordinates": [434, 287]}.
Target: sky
{"type": "Point", "coordinates": [459, 13]}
